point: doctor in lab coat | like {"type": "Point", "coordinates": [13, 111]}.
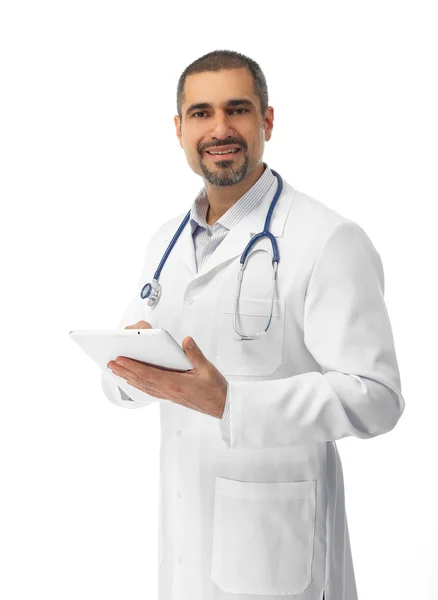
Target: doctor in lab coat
{"type": "Point", "coordinates": [254, 504]}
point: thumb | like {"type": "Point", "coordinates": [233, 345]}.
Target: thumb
{"type": "Point", "coordinates": [193, 352]}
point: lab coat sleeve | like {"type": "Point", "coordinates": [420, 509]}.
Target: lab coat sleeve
{"type": "Point", "coordinates": [348, 332]}
{"type": "Point", "coordinates": [137, 310]}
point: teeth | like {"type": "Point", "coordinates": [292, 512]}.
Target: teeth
{"type": "Point", "coordinates": [224, 152]}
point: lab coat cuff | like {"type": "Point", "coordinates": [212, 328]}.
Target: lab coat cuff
{"type": "Point", "coordinates": [118, 396]}
{"type": "Point", "coordinates": [125, 396]}
{"type": "Point", "coordinates": [226, 413]}
{"type": "Point", "coordinates": [224, 421]}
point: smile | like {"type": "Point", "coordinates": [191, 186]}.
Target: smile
{"type": "Point", "coordinates": [223, 153]}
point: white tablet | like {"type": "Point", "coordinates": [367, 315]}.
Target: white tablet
{"type": "Point", "coordinates": [153, 346]}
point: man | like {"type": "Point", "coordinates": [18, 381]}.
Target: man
{"type": "Point", "coordinates": [251, 487]}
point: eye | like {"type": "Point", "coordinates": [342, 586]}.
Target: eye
{"type": "Point", "coordinates": [200, 112]}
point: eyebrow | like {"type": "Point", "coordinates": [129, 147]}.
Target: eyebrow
{"type": "Point", "coordinates": [232, 102]}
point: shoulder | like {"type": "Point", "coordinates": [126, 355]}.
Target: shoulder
{"type": "Point", "coordinates": [307, 210]}
{"type": "Point", "coordinates": [318, 218]}
{"type": "Point", "coordinates": [319, 227]}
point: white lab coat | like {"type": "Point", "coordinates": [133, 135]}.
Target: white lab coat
{"type": "Point", "coordinates": [264, 513]}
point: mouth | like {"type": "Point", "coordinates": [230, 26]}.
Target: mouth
{"type": "Point", "coordinates": [222, 153]}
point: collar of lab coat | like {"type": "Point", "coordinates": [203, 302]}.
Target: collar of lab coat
{"type": "Point", "coordinates": [239, 236]}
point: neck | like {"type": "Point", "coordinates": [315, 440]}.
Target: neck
{"type": "Point", "coordinates": [222, 198]}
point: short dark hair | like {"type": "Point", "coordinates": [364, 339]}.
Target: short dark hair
{"type": "Point", "coordinates": [225, 59]}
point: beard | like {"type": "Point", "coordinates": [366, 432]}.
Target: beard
{"type": "Point", "coordinates": [224, 173]}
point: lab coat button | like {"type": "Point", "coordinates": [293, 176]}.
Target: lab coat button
{"type": "Point", "coordinates": [178, 433]}
{"type": "Point", "coordinates": [191, 301]}
{"type": "Point", "coordinates": [179, 494]}
{"type": "Point", "coordinates": [180, 560]}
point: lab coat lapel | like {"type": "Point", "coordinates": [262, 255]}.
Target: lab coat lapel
{"type": "Point", "coordinates": [238, 237]}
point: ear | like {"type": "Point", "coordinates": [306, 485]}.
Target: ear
{"type": "Point", "coordinates": [177, 122]}
{"type": "Point", "coordinates": [269, 122]}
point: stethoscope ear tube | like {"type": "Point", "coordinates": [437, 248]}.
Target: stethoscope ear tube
{"type": "Point", "coordinates": [241, 336]}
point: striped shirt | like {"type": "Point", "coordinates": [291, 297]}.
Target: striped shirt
{"type": "Point", "coordinates": [207, 238]}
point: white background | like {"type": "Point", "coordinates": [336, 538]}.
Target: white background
{"type": "Point", "coordinates": [90, 167]}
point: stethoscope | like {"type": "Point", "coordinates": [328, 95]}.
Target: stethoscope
{"type": "Point", "coordinates": [152, 291]}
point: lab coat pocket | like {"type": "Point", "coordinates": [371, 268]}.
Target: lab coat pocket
{"type": "Point", "coordinates": [263, 536]}
{"type": "Point", "coordinates": [262, 356]}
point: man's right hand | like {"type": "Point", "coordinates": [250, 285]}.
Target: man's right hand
{"type": "Point", "coordinates": [140, 325]}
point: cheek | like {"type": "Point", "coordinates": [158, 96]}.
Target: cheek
{"type": "Point", "coordinates": [193, 160]}
{"type": "Point", "coordinates": [254, 146]}
{"type": "Point", "coordinates": [191, 145]}
{"type": "Point", "coordinates": [193, 157]}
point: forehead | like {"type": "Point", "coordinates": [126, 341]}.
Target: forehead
{"type": "Point", "coordinates": [216, 87]}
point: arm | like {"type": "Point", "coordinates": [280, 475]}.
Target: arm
{"type": "Point", "coordinates": [115, 394]}
{"type": "Point", "coordinates": [137, 310]}
{"type": "Point", "coordinates": [347, 330]}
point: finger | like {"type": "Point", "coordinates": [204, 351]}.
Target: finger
{"type": "Point", "coordinates": [123, 364]}
{"type": "Point", "coordinates": [140, 325]}
{"type": "Point", "coordinates": [120, 370]}
{"type": "Point", "coordinates": [139, 368]}
{"type": "Point", "coordinates": [148, 378]}
{"type": "Point", "coordinates": [142, 375]}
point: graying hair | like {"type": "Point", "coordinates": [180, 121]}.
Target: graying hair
{"type": "Point", "coordinates": [225, 59]}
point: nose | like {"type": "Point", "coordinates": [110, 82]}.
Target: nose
{"type": "Point", "coordinates": [221, 127]}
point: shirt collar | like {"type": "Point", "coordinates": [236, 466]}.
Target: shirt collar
{"type": "Point", "coordinates": [243, 206]}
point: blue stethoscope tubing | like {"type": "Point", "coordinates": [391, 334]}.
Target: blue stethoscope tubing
{"type": "Point", "coordinates": [155, 287]}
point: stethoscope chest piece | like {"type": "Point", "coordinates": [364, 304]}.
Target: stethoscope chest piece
{"type": "Point", "coordinates": [151, 291]}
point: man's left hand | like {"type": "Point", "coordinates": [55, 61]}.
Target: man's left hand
{"type": "Point", "coordinates": [204, 388]}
